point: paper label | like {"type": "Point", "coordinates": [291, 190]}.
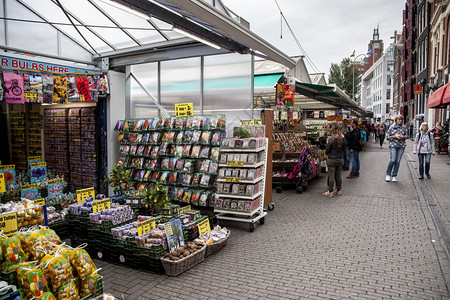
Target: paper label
{"type": "Point", "coordinates": [5, 167]}
{"type": "Point", "coordinates": [183, 210]}
{"type": "Point", "coordinates": [233, 179]}
{"type": "Point", "coordinates": [55, 181]}
{"type": "Point", "coordinates": [204, 227]}
{"type": "Point", "coordinates": [168, 229]}
{"type": "Point", "coordinates": [84, 193]}
{"type": "Point", "coordinates": [8, 223]}
{"type": "Point", "coordinates": [101, 204]}
{"type": "Point", "coordinates": [184, 109]}
{"type": "Point", "coordinates": [146, 226]}
{"type": "Point", "coordinates": [235, 163]}
{"type": "Point", "coordinates": [40, 201]}
{"type": "Point", "coordinates": [2, 183]}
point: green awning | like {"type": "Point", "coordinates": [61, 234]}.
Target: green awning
{"type": "Point", "coordinates": [266, 80]}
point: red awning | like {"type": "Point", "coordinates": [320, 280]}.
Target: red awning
{"type": "Point", "coordinates": [436, 99]}
{"type": "Point", "coordinates": [446, 98]}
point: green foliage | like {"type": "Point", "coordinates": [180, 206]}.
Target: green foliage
{"type": "Point", "coordinates": [118, 178]}
{"type": "Point", "coordinates": [242, 133]}
{"type": "Point", "coordinates": [341, 75]}
{"type": "Point", "coordinates": [157, 196]}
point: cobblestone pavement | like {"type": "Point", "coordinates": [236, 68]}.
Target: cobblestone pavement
{"type": "Point", "coordinates": [376, 241]}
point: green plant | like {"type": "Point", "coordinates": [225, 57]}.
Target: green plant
{"type": "Point", "coordinates": [118, 178]}
{"type": "Point", "coordinates": [156, 197]}
{"type": "Point", "coordinates": [242, 133]}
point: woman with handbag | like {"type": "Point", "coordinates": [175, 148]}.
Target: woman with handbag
{"type": "Point", "coordinates": [335, 149]}
{"type": "Point", "coordinates": [424, 147]}
{"type": "Point", "coordinates": [396, 135]}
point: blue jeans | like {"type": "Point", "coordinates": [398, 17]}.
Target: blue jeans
{"type": "Point", "coordinates": [355, 163]}
{"type": "Point", "coordinates": [394, 163]}
{"type": "Point", "coordinates": [346, 157]}
{"type": "Point", "coordinates": [382, 140]}
{"type": "Point", "coordinates": [427, 157]}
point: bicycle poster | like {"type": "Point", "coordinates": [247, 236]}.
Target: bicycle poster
{"type": "Point", "coordinates": [13, 87]}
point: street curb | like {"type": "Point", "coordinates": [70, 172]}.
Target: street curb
{"type": "Point", "coordinates": [442, 252]}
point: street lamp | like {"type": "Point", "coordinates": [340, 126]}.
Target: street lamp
{"type": "Point", "coordinates": [353, 74]}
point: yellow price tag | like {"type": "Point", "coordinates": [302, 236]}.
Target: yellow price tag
{"type": "Point", "coordinates": [184, 210]}
{"type": "Point", "coordinates": [81, 98]}
{"type": "Point", "coordinates": [35, 158]}
{"type": "Point", "coordinates": [204, 227]}
{"type": "Point", "coordinates": [2, 183]}
{"type": "Point", "coordinates": [146, 226]}
{"type": "Point", "coordinates": [233, 179]}
{"type": "Point", "coordinates": [30, 95]}
{"type": "Point", "coordinates": [184, 109]}
{"type": "Point", "coordinates": [40, 164]}
{"type": "Point", "coordinates": [101, 204]}
{"type": "Point", "coordinates": [55, 181]}
{"type": "Point", "coordinates": [84, 193]}
{"type": "Point", "coordinates": [28, 186]}
{"type": "Point", "coordinates": [168, 229]}
{"type": "Point", "coordinates": [39, 201]}
{"type": "Point", "coordinates": [5, 167]}
{"type": "Point", "coordinates": [235, 163]}
{"type": "Point", "coordinates": [8, 223]}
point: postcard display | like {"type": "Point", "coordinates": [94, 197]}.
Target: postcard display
{"type": "Point", "coordinates": [241, 179]}
{"type": "Point", "coordinates": [181, 153]}
{"type": "Point", "coordinates": [70, 145]}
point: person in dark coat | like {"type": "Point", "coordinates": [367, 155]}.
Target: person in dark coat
{"type": "Point", "coordinates": [335, 150]}
{"type": "Point", "coordinates": [355, 148]}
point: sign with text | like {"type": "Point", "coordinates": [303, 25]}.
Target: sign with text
{"type": "Point", "coordinates": [183, 210]}
{"type": "Point", "coordinates": [233, 163]}
{"type": "Point", "coordinates": [40, 201]}
{"type": "Point", "coordinates": [174, 233]}
{"type": "Point", "coordinates": [233, 179]}
{"type": "Point", "coordinates": [8, 223]}
{"type": "Point", "coordinates": [9, 173]}
{"type": "Point", "coordinates": [34, 159]}
{"type": "Point", "coordinates": [252, 122]}
{"type": "Point", "coordinates": [2, 183]}
{"type": "Point", "coordinates": [38, 172]}
{"type": "Point", "coordinates": [417, 89]}
{"type": "Point", "coordinates": [30, 191]}
{"type": "Point", "coordinates": [146, 226]}
{"type": "Point", "coordinates": [55, 187]}
{"type": "Point", "coordinates": [84, 193]}
{"type": "Point", "coordinates": [204, 227]}
{"type": "Point", "coordinates": [101, 204]}
{"type": "Point", "coordinates": [184, 109]}
{"type": "Point", "coordinates": [276, 146]}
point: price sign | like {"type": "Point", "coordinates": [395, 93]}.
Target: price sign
{"type": "Point", "coordinates": [84, 193]}
{"type": "Point", "coordinates": [30, 95]}
{"type": "Point", "coordinates": [252, 122]}
{"type": "Point", "coordinates": [101, 204]}
{"type": "Point", "coordinates": [235, 163]}
{"type": "Point", "coordinates": [81, 98]}
{"type": "Point", "coordinates": [39, 201]}
{"type": "Point", "coordinates": [184, 210]}
{"type": "Point", "coordinates": [8, 223]}
{"type": "Point", "coordinates": [59, 180]}
{"type": "Point", "coordinates": [39, 164]}
{"type": "Point", "coordinates": [28, 186]}
{"type": "Point", "coordinates": [276, 146]}
{"type": "Point", "coordinates": [146, 226]}
{"type": "Point", "coordinates": [2, 183]}
{"type": "Point", "coordinates": [204, 227]}
{"type": "Point", "coordinates": [168, 229]}
{"type": "Point", "coordinates": [184, 109]}
{"type": "Point", "coordinates": [233, 179]}
{"type": "Point", "coordinates": [6, 167]}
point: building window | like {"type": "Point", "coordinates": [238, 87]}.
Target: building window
{"type": "Point", "coordinates": [388, 80]}
{"type": "Point", "coordinates": [387, 108]}
{"type": "Point", "coordinates": [388, 94]}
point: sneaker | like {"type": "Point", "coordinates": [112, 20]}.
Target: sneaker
{"type": "Point", "coordinates": [394, 179]}
{"type": "Point", "coordinates": [388, 178]}
{"type": "Point", "coordinates": [351, 176]}
{"type": "Point", "coordinates": [420, 177]}
{"type": "Point", "coordinates": [328, 194]}
{"type": "Point", "coordinates": [428, 176]}
{"type": "Point", "coordinates": [338, 193]}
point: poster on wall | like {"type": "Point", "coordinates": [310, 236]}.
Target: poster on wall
{"type": "Point", "coordinates": [174, 233]}
{"type": "Point", "coordinates": [38, 172]}
{"type": "Point", "coordinates": [9, 173]}
{"type": "Point", "coordinates": [47, 89]}
{"type": "Point", "coordinates": [36, 87]}
{"type": "Point", "coordinates": [102, 84]}
{"type": "Point", "coordinates": [83, 89]}
{"type": "Point", "coordinates": [59, 89]}
{"type": "Point", "coordinates": [72, 91]}
{"type": "Point", "coordinates": [13, 88]}
{"type": "Point", "coordinates": [93, 92]}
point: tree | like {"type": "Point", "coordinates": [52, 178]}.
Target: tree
{"type": "Point", "coordinates": [341, 75]}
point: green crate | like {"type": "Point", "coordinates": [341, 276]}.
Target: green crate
{"type": "Point", "coordinates": [127, 244]}
{"type": "Point", "coordinates": [10, 277]}
{"type": "Point", "coordinates": [98, 289]}
{"type": "Point", "coordinates": [153, 252]}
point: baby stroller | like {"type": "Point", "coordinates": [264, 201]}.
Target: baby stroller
{"type": "Point", "coordinates": [301, 172]}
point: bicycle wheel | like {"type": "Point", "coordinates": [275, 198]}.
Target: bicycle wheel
{"type": "Point", "coordinates": [16, 90]}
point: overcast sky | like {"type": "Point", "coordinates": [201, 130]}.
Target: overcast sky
{"type": "Point", "coordinates": [328, 30]}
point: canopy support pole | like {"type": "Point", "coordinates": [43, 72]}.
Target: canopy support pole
{"type": "Point", "coordinates": [150, 95]}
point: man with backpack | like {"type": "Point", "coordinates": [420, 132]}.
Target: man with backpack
{"type": "Point", "coordinates": [355, 148]}
{"type": "Point", "coordinates": [346, 129]}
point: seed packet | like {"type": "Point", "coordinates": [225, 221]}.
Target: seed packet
{"type": "Point", "coordinates": [179, 150]}
{"type": "Point", "coordinates": [197, 122]}
{"type": "Point", "coordinates": [228, 172]}
{"type": "Point", "coordinates": [217, 122]}
{"type": "Point", "coordinates": [240, 205]}
{"type": "Point", "coordinates": [180, 137]}
{"type": "Point", "coordinates": [213, 167]}
{"type": "Point", "coordinates": [249, 190]}
{"type": "Point", "coordinates": [155, 138]}
{"type": "Point", "coordinates": [147, 150]}
{"type": "Point", "coordinates": [155, 152]}
{"type": "Point", "coordinates": [186, 151]}
{"type": "Point", "coordinates": [238, 143]}
{"type": "Point", "coordinates": [189, 122]}
{"type": "Point", "coordinates": [133, 137]}
{"type": "Point", "coordinates": [196, 137]}
{"type": "Point", "coordinates": [155, 176]}
{"type": "Point", "coordinates": [196, 151]}
{"type": "Point", "coordinates": [162, 124]}
{"type": "Point", "coordinates": [171, 135]}
{"type": "Point", "coordinates": [204, 166]}
{"type": "Point", "coordinates": [235, 189]}
{"type": "Point", "coordinates": [180, 123]}
{"type": "Point", "coordinates": [151, 164]}
{"type": "Point", "coordinates": [165, 164]}
{"type": "Point", "coordinates": [196, 179]}
{"type": "Point", "coordinates": [225, 143]}
{"type": "Point", "coordinates": [226, 188]}
{"type": "Point", "coordinates": [251, 158]}
{"type": "Point", "coordinates": [145, 125]}
{"type": "Point", "coordinates": [152, 124]}
{"type": "Point", "coordinates": [187, 196]}
{"type": "Point", "coordinates": [205, 137]}
{"type": "Point", "coordinates": [119, 125]}
{"type": "Point", "coordinates": [237, 157]}
{"type": "Point", "coordinates": [164, 137]}
{"type": "Point", "coordinates": [126, 125]}
{"type": "Point", "coordinates": [251, 174]}
{"type": "Point", "coordinates": [140, 150]}
{"type": "Point", "coordinates": [244, 157]}
{"type": "Point", "coordinates": [221, 173]}
{"type": "Point", "coordinates": [133, 150]}
{"type": "Point", "coordinates": [206, 125]}
{"type": "Point", "coordinates": [205, 180]}
{"type": "Point", "coordinates": [203, 199]}
{"type": "Point", "coordinates": [180, 164]}
{"type": "Point", "coordinates": [195, 197]}
{"type": "Point", "coordinates": [233, 204]}
{"type": "Point", "coordinates": [171, 123]}
{"type": "Point", "coordinates": [164, 177]}
{"type": "Point", "coordinates": [187, 179]}
{"type": "Point", "coordinates": [180, 193]}
{"type": "Point", "coordinates": [217, 137]}
{"type": "Point", "coordinates": [205, 152]}
{"type": "Point", "coordinates": [245, 143]}
{"type": "Point", "coordinates": [230, 157]}
{"type": "Point", "coordinates": [121, 161]}
{"type": "Point", "coordinates": [218, 203]}
{"type": "Point", "coordinates": [243, 174]}
{"type": "Point", "coordinates": [146, 138]}
{"type": "Point", "coordinates": [173, 163]}
{"type": "Point", "coordinates": [147, 175]}
{"type": "Point", "coordinates": [215, 154]}
{"type": "Point", "coordinates": [122, 149]}
{"type": "Point", "coordinates": [189, 166]}
{"type": "Point", "coordinates": [223, 158]}
{"type": "Point", "coordinates": [220, 188]}
{"type": "Point", "coordinates": [120, 138]}
{"type": "Point", "coordinates": [188, 136]}
{"type": "Point", "coordinates": [242, 188]}
{"type": "Point", "coordinates": [173, 177]}
{"type": "Point", "coordinates": [226, 204]}
{"type": "Point", "coordinates": [235, 173]}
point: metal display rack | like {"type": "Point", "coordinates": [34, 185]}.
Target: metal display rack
{"type": "Point", "coordinates": [256, 214]}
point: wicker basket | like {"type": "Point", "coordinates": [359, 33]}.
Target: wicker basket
{"type": "Point", "coordinates": [213, 248]}
{"type": "Point", "coordinates": [175, 268]}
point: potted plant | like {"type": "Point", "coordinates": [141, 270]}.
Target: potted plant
{"type": "Point", "coordinates": [157, 197]}
{"type": "Point", "coordinates": [119, 179]}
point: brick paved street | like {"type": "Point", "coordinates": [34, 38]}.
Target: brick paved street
{"type": "Point", "coordinates": [376, 241]}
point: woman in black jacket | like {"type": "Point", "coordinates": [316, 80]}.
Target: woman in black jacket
{"type": "Point", "coordinates": [335, 150]}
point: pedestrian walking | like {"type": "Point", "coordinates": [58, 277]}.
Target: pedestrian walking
{"type": "Point", "coordinates": [355, 148]}
{"type": "Point", "coordinates": [335, 150]}
{"type": "Point", "coordinates": [346, 129]}
{"type": "Point", "coordinates": [396, 135]}
{"type": "Point", "coordinates": [424, 147]}
{"type": "Point", "coordinates": [381, 134]}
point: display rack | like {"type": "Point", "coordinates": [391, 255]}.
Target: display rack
{"type": "Point", "coordinates": [246, 207]}
{"type": "Point", "coordinates": [56, 149]}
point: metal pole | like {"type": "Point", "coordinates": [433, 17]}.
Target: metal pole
{"type": "Point", "coordinates": [150, 95]}
{"type": "Point", "coordinates": [353, 73]}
